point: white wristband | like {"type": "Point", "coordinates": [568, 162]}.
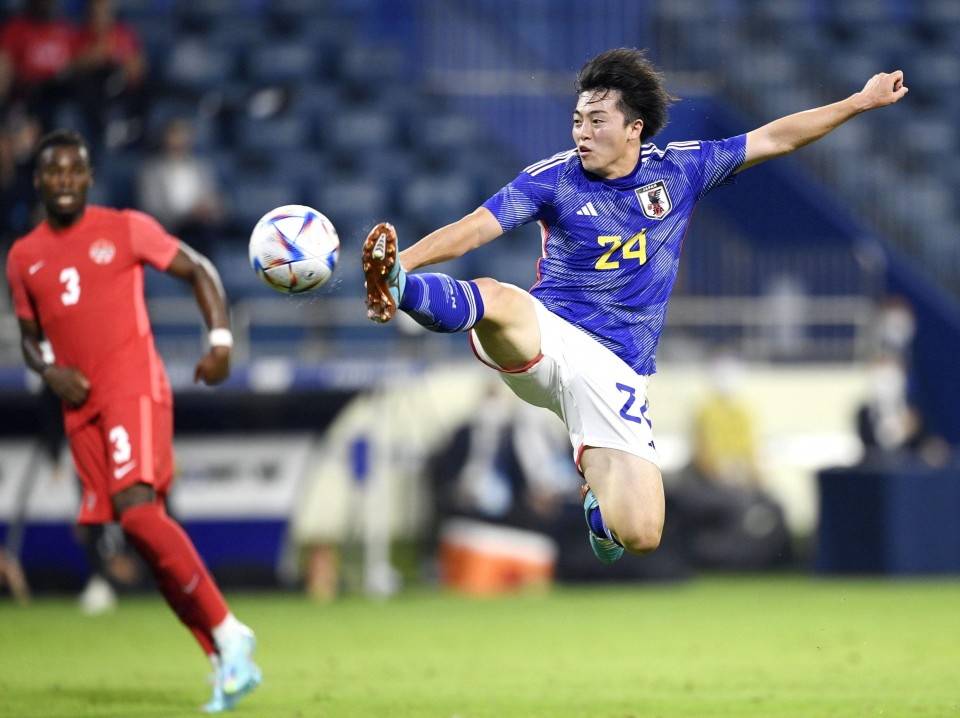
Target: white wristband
{"type": "Point", "coordinates": [221, 337]}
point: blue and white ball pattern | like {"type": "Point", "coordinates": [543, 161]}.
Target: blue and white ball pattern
{"type": "Point", "coordinates": [294, 249]}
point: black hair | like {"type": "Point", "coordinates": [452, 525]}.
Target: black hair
{"type": "Point", "coordinates": [642, 92]}
{"type": "Point", "coordinates": [59, 138]}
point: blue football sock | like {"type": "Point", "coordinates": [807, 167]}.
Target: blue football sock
{"type": "Point", "coordinates": [441, 303]}
{"type": "Point", "coordinates": [599, 526]}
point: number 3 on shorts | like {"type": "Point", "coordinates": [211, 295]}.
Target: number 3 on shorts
{"type": "Point", "coordinates": [121, 444]}
{"type": "Point", "coordinates": [628, 405]}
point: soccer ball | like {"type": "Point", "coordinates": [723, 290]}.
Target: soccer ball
{"type": "Point", "coordinates": [294, 249]}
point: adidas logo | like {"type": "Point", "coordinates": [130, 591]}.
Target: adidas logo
{"type": "Point", "coordinates": [588, 210]}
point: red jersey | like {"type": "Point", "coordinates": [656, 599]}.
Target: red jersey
{"type": "Point", "coordinates": [84, 286]}
{"type": "Point", "coordinates": [123, 43]}
{"type": "Point", "coordinates": [39, 49]}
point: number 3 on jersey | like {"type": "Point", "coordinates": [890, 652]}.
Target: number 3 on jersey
{"type": "Point", "coordinates": [633, 248]}
{"type": "Point", "coordinates": [70, 278]}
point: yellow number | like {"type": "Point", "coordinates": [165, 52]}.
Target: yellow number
{"type": "Point", "coordinates": [604, 261]}
{"type": "Point", "coordinates": [633, 248]}
{"type": "Point", "coordinates": [636, 247]}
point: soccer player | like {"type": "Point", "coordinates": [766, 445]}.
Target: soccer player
{"type": "Point", "coordinates": [77, 281]}
{"type": "Point", "coordinates": [613, 211]}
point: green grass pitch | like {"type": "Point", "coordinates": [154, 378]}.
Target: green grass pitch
{"type": "Point", "coordinates": [730, 647]}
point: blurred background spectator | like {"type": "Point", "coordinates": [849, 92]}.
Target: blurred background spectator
{"type": "Point", "coordinates": [19, 132]}
{"type": "Point", "coordinates": [180, 188]}
{"type": "Point", "coordinates": [890, 424]}
{"type": "Point", "coordinates": [36, 53]}
{"type": "Point", "coordinates": [110, 77]}
{"type": "Point", "coordinates": [725, 432]}
{"type": "Point", "coordinates": [727, 519]}
{"type": "Point", "coordinates": [506, 465]}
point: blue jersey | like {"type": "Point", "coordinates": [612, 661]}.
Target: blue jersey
{"type": "Point", "coordinates": [611, 248]}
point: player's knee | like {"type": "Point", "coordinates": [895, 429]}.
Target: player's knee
{"type": "Point", "coordinates": [504, 304]}
{"type": "Point", "coordinates": [492, 291]}
{"type": "Point", "coordinates": [133, 496]}
{"type": "Point", "coordinates": [641, 538]}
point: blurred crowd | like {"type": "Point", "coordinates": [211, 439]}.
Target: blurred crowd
{"type": "Point", "coordinates": [83, 66]}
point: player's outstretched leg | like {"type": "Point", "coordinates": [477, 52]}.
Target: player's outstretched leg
{"type": "Point", "coordinates": [383, 274]}
{"type": "Point", "coordinates": [435, 301]}
{"type": "Point", "coordinates": [601, 540]}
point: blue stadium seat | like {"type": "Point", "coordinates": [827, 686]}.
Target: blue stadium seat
{"type": "Point", "coordinates": [353, 204]}
{"type": "Point", "coordinates": [207, 14]}
{"type": "Point", "coordinates": [287, 131]}
{"type": "Point", "coordinates": [299, 166]}
{"type": "Point", "coordinates": [118, 171]}
{"type": "Point", "coordinates": [160, 285]}
{"type": "Point", "coordinates": [314, 99]}
{"type": "Point", "coordinates": [225, 162]}
{"type": "Point", "coordinates": [941, 15]}
{"type": "Point", "coordinates": [193, 64]}
{"type": "Point", "coordinates": [446, 141]}
{"type": "Point", "coordinates": [141, 11]}
{"type": "Point", "coordinates": [371, 65]}
{"type": "Point", "coordinates": [361, 128]}
{"type": "Point", "coordinates": [932, 139]}
{"type": "Point", "coordinates": [281, 62]}
{"type": "Point", "coordinates": [860, 14]}
{"type": "Point", "coordinates": [296, 9]}
{"type": "Point", "coordinates": [157, 34]}
{"type": "Point", "coordinates": [232, 261]}
{"type": "Point", "coordinates": [436, 200]}
{"type": "Point", "coordinates": [240, 34]}
{"type": "Point", "coordinates": [165, 108]}
{"type": "Point", "coordinates": [253, 194]}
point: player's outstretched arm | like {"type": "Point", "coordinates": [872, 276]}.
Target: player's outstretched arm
{"type": "Point", "coordinates": [452, 241]}
{"type": "Point", "coordinates": [195, 269]}
{"type": "Point", "coordinates": [66, 382]}
{"type": "Point", "coordinates": [792, 132]}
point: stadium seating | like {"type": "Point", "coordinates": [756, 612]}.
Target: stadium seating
{"type": "Point", "coordinates": [349, 105]}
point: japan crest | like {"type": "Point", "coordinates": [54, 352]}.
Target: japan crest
{"type": "Point", "coordinates": [654, 200]}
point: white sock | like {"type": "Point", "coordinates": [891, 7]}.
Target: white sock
{"type": "Point", "coordinates": [226, 628]}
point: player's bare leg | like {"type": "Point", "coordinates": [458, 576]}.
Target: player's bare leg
{"type": "Point", "coordinates": [509, 330]}
{"type": "Point", "coordinates": [629, 491]}
{"type": "Point", "coordinates": [12, 574]}
{"type": "Point", "coordinates": [382, 272]}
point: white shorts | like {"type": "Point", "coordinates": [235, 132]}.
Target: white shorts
{"type": "Point", "coordinates": [600, 398]}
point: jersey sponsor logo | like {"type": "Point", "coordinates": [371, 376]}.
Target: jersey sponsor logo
{"type": "Point", "coordinates": [102, 251]}
{"type": "Point", "coordinates": [654, 200]}
{"type": "Point", "coordinates": [122, 471]}
{"type": "Point", "coordinates": [588, 210]}
{"type": "Point", "coordinates": [35, 267]}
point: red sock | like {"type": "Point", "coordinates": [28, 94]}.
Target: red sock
{"type": "Point", "coordinates": [186, 611]}
{"type": "Point", "coordinates": [180, 573]}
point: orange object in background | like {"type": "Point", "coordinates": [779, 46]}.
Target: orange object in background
{"type": "Point", "coordinates": [484, 559]}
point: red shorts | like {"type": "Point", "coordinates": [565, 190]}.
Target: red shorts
{"type": "Point", "coordinates": [129, 442]}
